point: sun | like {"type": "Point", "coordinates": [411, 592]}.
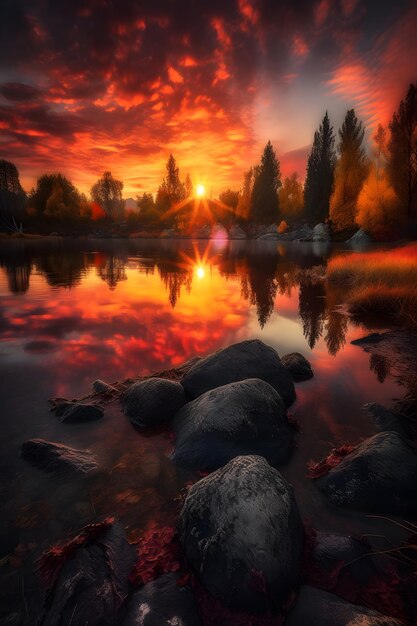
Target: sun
{"type": "Point", "coordinates": [200, 271]}
{"type": "Point", "coordinates": [200, 191]}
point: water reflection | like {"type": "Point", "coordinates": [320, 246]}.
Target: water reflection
{"type": "Point", "coordinates": [263, 271]}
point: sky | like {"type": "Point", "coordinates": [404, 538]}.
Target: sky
{"type": "Point", "coordinates": [94, 85]}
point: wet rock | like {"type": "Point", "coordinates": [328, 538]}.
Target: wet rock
{"type": "Point", "coordinates": [247, 359]}
{"type": "Point", "coordinates": [321, 232]}
{"type": "Point", "coordinates": [246, 417]}
{"type": "Point", "coordinates": [162, 602]}
{"type": "Point", "coordinates": [236, 232]}
{"type": "Point", "coordinates": [378, 476]}
{"type": "Point", "coordinates": [298, 366]}
{"type": "Point", "coordinates": [70, 412]}
{"type": "Point", "coordinates": [153, 401]}
{"type": "Point", "coordinates": [242, 535]}
{"type": "Point", "coordinates": [99, 386]}
{"type": "Point", "coordinates": [93, 580]}
{"type": "Point", "coordinates": [320, 608]}
{"type": "Point", "coordinates": [55, 457]}
{"type": "Point", "coordinates": [359, 239]}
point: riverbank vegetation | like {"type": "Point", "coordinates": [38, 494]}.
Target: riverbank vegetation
{"type": "Point", "coordinates": [344, 187]}
{"type": "Point", "coordinates": [382, 284]}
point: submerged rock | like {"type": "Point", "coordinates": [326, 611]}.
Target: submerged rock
{"type": "Point", "coordinates": [298, 366]}
{"type": "Point", "coordinates": [162, 603]}
{"type": "Point", "coordinates": [246, 417]}
{"type": "Point", "coordinates": [315, 607]}
{"type": "Point", "coordinates": [247, 359]}
{"type": "Point", "coordinates": [91, 580]}
{"type": "Point", "coordinates": [153, 401]}
{"type": "Point", "coordinates": [242, 535]}
{"type": "Point", "coordinates": [378, 476]}
{"type": "Point", "coordinates": [75, 412]}
{"type": "Point", "coordinates": [55, 457]}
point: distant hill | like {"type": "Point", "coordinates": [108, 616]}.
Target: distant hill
{"type": "Point", "coordinates": [131, 204]}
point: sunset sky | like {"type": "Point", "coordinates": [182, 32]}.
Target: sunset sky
{"type": "Point", "coordinates": [99, 84]}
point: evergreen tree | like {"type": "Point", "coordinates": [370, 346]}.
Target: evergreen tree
{"type": "Point", "coordinates": [264, 208]}
{"type": "Point", "coordinates": [243, 205]}
{"type": "Point", "coordinates": [350, 174]}
{"type": "Point", "coordinates": [173, 185]}
{"type": "Point", "coordinates": [402, 158]}
{"type": "Point", "coordinates": [12, 196]}
{"type": "Point", "coordinates": [320, 173]}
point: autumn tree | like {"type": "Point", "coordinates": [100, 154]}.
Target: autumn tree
{"type": "Point", "coordinates": [291, 197]}
{"type": "Point", "coordinates": [378, 208]}
{"type": "Point", "coordinates": [350, 173]}
{"type": "Point", "coordinates": [402, 152]}
{"type": "Point", "coordinates": [55, 196]}
{"type": "Point", "coordinates": [243, 205]}
{"type": "Point", "coordinates": [320, 173]}
{"type": "Point", "coordinates": [264, 206]}
{"type": "Point", "coordinates": [107, 192]}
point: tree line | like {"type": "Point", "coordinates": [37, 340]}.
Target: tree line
{"type": "Point", "coordinates": [343, 186]}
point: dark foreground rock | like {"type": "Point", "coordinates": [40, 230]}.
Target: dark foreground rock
{"type": "Point", "coordinates": [298, 366]}
{"type": "Point", "coordinates": [55, 457]}
{"type": "Point", "coordinates": [386, 419]}
{"type": "Point", "coordinates": [242, 535]}
{"type": "Point", "coordinates": [153, 401]}
{"type": "Point", "coordinates": [77, 412]}
{"type": "Point", "coordinates": [315, 607]}
{"type": "Point", "coordinates": [91, 582]}
{"type": "Point", "coordinates": [246, 417]}
{"type": "Point", "coordinates": [162, 603]}
{"type": "Point", "coordinates": [100, 386]}
{"type": "Point", "coordinates": [247, 359]}
{"type": "Point", "coordinates": [378, 476]}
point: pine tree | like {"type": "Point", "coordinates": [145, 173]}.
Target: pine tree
{"type": "Point", "coordinates": [402, 159]}
{"type": "Point", "coordinates": [320, 173]}
{"type": "Point", "coordinates": [174, 187]}
{"type": "Point", "coordinates": [350, 173]}
{"type": "Point", "coordinates": [264, 207]}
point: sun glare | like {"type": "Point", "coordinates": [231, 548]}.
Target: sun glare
{"type": "Point", "coordinates": [200, 271]}
{"type": "Point", "coordinates": [200, 191]}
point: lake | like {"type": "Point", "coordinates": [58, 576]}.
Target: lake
{"type": "Point", "coordinates": [72, 311]}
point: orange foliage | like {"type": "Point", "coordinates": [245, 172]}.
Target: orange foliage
{"type": "Point", "coordinates": [378, 209]}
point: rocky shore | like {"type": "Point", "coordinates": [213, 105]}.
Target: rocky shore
{"type": "Point", "coordinates": [239, 551]}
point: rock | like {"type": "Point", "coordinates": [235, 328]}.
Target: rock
{"type": "Point", "coordinates": [247, 359]}
{"type": "Point", "coordinates": [315, 607]}
{"type": "Point", "coordinates": [236, 232]}
{"type": "Point", "coordinates": [218, 232]}
{"type": "Point", "coordinates": [99, 386]}
{"type": "Point", "coordinates": [246, 417]}
{"type": "Point", "coordinates": [298, 366]}
{"type": "Point", "coordinates": [93, 580]}
{"type": "Point", "coordinates": [242, 535]}
{"type": "Point", "coordinates": [378, 476]}
{"type": "Point", "coordinates": [55, 457]}
{"type": "Point", "coordinates": [75, 412]}
{"type": "Point", "coordinates": [153, 401]}
{"type": "Point", "coordinates": [301, 232]}
{"type": "Point", "coordinates": [321, 232]}
{"type": "Point", "coordinates": [162, 602]}
{"type": "Point", "coordinates": [273, 237]}
{"type": "Point", "coordinates": [359, 239]}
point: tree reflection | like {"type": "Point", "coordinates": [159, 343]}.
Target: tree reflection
{"type": "Point", "coordinates": [112, 271]}
{"type": "Point", "coordinates": [312, 309]}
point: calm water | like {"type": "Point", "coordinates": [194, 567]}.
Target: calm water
{"type": "Point", "coordinates": [74, 311]}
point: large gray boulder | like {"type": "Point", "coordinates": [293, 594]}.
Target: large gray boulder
{"type": "Point", "coordinates": [162, 603]}
{"type": "Point", "coordinates": [378, 476]}
{"type": "Point", "coordinates": [247, 359]}
{"type": "Point", "coordinates": [359, 239]}
{"type": "Point", "coordinates": [315, 607]}
{"type": "Point", "coordinates": [246, 417]}
{"type": "Point", "coordinates": [298, 366]}
{"type": "Point", "coordinates": [153, 401]}
{"type": "Point", "coordinates": [321, 232]}
{"type": "Point", "coordinates": [242, 535]}
{"type": "Point", "coordinates": [56, 458]}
